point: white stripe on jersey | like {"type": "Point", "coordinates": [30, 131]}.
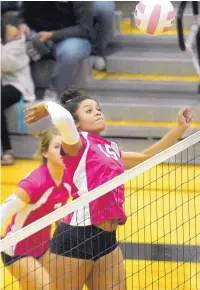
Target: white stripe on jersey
{"type": "Point", "coordinates": [68, 187]}
{"type": "Point", "coordinates": [81, 217]}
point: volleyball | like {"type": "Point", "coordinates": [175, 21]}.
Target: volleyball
{"type": "Point", "coordinates": [154, 17]}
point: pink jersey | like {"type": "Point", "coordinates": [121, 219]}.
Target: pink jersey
{"type": "Point", "coordinates": [98, 161]}
{"type": "Point", "coordinates": [45, 197]}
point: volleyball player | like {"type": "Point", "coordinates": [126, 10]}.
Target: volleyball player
{"type": "Point", "coordinates": [85, 243]}
{"type": "Point", "coordinates": [39, 193]}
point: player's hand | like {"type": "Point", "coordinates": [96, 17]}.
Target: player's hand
{"type": "Point", "coordinates": [44, 36]}
{"type": "Point", "coordinates": [24, 29]}
{"type": "Point", "coordinates": [185, 118]}
{"type": "Point", "coordinates": [35, 113]}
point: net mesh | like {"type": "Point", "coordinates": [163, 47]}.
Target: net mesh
{"type": "Point", "coordinates": [159, 245]}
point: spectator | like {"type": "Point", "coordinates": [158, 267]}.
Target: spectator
{"type": "Point", "coordinates": [7, 6]}
{"type": "Point", "coordinates": [73, 27]}
{"type": "Point", "coordinates": [103, 12]}
{"type": "Point", "coordinates": [16, 77]}
{"type": "Point", "coordinates": [67, 25]}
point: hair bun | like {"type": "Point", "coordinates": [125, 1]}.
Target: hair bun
{"type": "Point", "coordinates": [69, 95]}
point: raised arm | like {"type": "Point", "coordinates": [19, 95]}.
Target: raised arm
{"type": "Point", "coordinates": [131, 159]}
{"type": "Point", "coordinates": [62, 120]}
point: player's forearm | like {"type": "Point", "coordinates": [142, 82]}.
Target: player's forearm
{"type": "Point", "coordinates": [64, 122]}
{"type": "Point", "coordinates": [168, 140]}
{"type": "Point", "coordinates": [12, 205]}
{"type": "Point", "coordinates": [68, 32]}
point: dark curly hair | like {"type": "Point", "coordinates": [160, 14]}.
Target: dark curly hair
{"type": "Point", "coordinates": [9, 18]}
{"type": "Point", "coordinates": [71, 99]}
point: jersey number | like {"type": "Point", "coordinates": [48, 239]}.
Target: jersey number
{"type": "Point", "coordinates": [108, 151]}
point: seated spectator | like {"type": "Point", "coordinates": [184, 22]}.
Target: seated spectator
{"type": "Point", "coordinates": [76, 28]}
{"type": "Point", "coordinates": [7, 6]}
{"type": "Point", "coordinates": [103, 13]}
{"type": "Point", "coordinates": [14, 6]}
{"type": "Point", "coordinates": [67, 25]}
{"type": "Point", "coordinates": [16, 77]}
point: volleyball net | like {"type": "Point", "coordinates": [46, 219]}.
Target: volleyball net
{"type": "Point", "coordinates": [160, 241]}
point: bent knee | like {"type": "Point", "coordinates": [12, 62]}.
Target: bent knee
{"type": "Point", "coordinates": [104, 7]}
{"type": "Point", "coordinates": [73, 50]}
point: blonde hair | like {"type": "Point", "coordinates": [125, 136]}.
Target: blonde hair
{"type": "Point", "coordinates": [45, 139]}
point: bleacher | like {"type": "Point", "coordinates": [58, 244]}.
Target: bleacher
{"type": "Point", "coordinates": [147, 80]}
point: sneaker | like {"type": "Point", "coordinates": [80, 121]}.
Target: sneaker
{"type": "Point", "coordinates": [50, 95]}
{"type": "Point", "coordinates": [98, 63]}
{"type": "Point", "coordinates": [7, 158]}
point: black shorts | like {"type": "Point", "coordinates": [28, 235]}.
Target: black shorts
{"type": "Point", "coordinates": [89, 242]}
{"type": "Point", "coordinates": [8, 260]}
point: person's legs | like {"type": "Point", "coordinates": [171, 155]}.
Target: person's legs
{"type": "Point", "coordinates": [69, 273]}
{"type": "Point", "coordinates": [9, 96]}
{"type": "Point", "coordinates": [72, 263]}
{"type": "Point", "coordinates": [30, 274]}
{"type": "Point", "coordinates": [108, 272]}
{"type": "Point", "coordinates": [104, 16]}
{"type": "Point", "coordinates": [46, 261]}
{"type": "Point", "coordinates": [5, 140]}
{"type": "Point", "coordinates": [69, 53]}
{"type": "Point", "coordinates": [65, 273]}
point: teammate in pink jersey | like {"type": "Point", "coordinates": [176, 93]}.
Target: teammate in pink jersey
{"type": "Point", "coordinates": [85, 243]}
{"type": "Point", "coordinates": [39, 193]}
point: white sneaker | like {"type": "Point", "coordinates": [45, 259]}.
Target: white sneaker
{"type": "Point", "coordinates": [98, 63]}
{"type": "Point", "coordinates": [50, 95]}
